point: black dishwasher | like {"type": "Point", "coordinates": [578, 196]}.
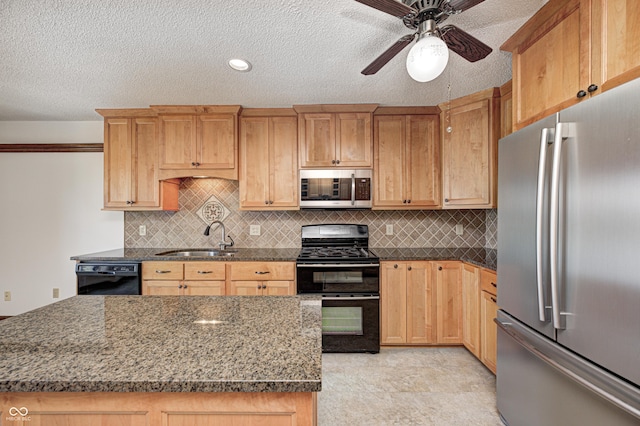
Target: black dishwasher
{"type": "Point", "coordinates": [106, 278]}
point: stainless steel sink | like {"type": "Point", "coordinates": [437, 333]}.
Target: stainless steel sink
{"type": "Point", "coordinates": [198, 253]}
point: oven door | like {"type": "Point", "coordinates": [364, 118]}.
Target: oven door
{"type": "Point", "coordinates": [350, 323]}
{"type": "Point", "coordinates": [338, 278]}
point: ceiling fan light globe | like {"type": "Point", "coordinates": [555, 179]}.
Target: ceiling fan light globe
{"type": "Point", "coordinates": [427, 58]}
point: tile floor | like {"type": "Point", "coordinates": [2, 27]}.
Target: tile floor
{"type": "Point", "coordinates": [407, 386]}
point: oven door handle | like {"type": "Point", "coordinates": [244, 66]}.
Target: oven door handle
{"type": "Point", "coordinates": [337, 265]}
{"type": "Point", "coordinates": [347, 298]}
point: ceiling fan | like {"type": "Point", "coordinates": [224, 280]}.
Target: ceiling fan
{"type": "Point", "coordinates": [429, 56]}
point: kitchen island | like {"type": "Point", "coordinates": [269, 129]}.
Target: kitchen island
{"type": "Point", "coordinates": [166, 360]}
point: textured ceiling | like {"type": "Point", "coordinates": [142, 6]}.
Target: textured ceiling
{"type": "Point", "coordinates": [62, 59]}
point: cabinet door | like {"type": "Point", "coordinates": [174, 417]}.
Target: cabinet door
{"type": "Point", "coordinates": [422, 159]}
{"type": "Point", "coordinates": [317, 140]}
{"type": "Point", "coordinates": [204, 288]}
{"type": "Point", "coordinates": [616, 42]}
{"type": "Point", "coordinates": [244, 288]}
{"type": "Point", "coordinates": [552, 63]}
{"type": "Point", "coordinates": [389, 157]}
{"type": "Point", "coordinates": [117, 162]}
{"type": "Point", "coordinates": [393, 302]}
{"type": "Point", "coordinates": [420, 309]}
{"type": "Point", "coordinates": [216, 141]}
{"type": "Point", "coordinates": [471, 308]}
{"type": "Point", "coordinates": [488, 331]}
{"type": "Point", "coordinates": [353, 140]}
{"type": "Point", "coordinates": [177, 142]}
{"type": "Point", "coordinates": [448, 302]}
{"type": "Point", "coordinates": [254, 166]}
{"type": "Point", "coordinates": [278, 288]}
{"type": "Point", "coordinates": [145, 182]}
{"type": "Point", "coordinates": [468, 157]}
{"type": "Point", "coordinates": [283, 161]}
{"type": "Point", "coordinates": [162, 288]}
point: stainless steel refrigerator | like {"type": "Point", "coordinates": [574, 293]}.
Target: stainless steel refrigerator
{"type": "Point", "coordinates": [569, 266]}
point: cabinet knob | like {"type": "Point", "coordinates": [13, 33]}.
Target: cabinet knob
{"type": "Point", "coordinates": [193, 163]}
{"type": "Point", "coordinates": [409, 268]}
{"type": "Point", "coordinates": [404, 201]}
{"type": "Point", "coordinates": [270, 201]}
{"type": "Point", "coordinates": [439, 268]}
{"type": "Point", "coordinates": [180, 286]}
{"type": "Point", "coordinates": [266, 201]}
{"type": "Point", "coordinates": [581, 94]}
{"type": "Point", "coordinates": [264, 286]}
{"type": "Point", "coordinates": [592, 88]}
{"type": "Point", "coordinates": [333, 161]}
{"type": "Point", "coordinates": [337, 161]}
{"type": "Point", "coordinates": [395, 266]}
{"type": "Point", "coordinates": [409, 201]}
{"type": "Point", "coordinates": [446, 200]}
{"type": "Point", "coordinates": [184, 286]}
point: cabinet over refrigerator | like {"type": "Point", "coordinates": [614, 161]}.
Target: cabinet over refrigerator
{"type": "Point", "coordinates": [568, 238]}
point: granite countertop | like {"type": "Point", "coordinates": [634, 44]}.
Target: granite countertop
{"type": "Point", "coordinates": [486, 258]}
{"type": "Point", "coordinates": [155, 344]}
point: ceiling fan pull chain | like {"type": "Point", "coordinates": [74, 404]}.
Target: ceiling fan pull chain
{"type": "Point", "coordinates": [449, 128]}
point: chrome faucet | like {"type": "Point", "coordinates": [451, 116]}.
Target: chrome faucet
{"type": "Point", "coordinates": [223, 244]}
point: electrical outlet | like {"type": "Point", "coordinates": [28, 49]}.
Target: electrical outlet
{"type": "Point", "coordinates": [254, 230]}
{"type": "Point", "coordinates": [389, 230]}
{"type": "Point", "coordinates": [7, 296]}
{"type": "Point", "coordinates": [56, 293]}
{"type": "Point", "coordinates": [459, 229]}
{"type": "Point", "coordinates": [142, 230]}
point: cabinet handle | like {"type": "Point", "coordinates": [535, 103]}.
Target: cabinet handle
{"type": "Point", "coordinates": [493, 299]}
{"type": "Point", "coordinates": [592, 88]}
{"type": "Point", "coordinates": [581, 94]}
{"type": "Point", "coordinates": [262, 272]}
{"type": "Point", "coordinates": [205, 272]}
{"type": "Point", "coordinates": [494, 284]}
{"type": "Point", "coordinates": [162, 272]}
{"type": "Point", "coordinates": [409, 268]}
{"type": "Point", "coordinates": [395, 266]}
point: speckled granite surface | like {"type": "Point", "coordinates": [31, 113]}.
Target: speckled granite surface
{"type": "Point", "coordinates": [486, 258]}
{"type": "Point", "coordinates": [143, 254]}
{"type": "Point", "coordinates": [153, 344]}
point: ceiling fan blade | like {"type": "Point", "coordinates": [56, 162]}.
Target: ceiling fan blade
{"type": "Point", "coordinates": [464, 44]}
{"type": "Point", "coordinates": [463, 5]}
{"type": "Point", "coordinates": [392, 7]}
{"type": "Point", "coordinates": [388, 54]}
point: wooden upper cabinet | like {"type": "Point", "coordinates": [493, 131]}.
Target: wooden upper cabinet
{"type": "Point", "coordinates": [198, 140]}
{"type": "Point", "coordinates": [570, 50]}
{"type": "Point", "coordinates": [506, 109]}
{"type": "Point", "coordinates": [470, 127]}
{"type": "Point", "coordinates": [406, 158]}
{"type": "Point", "coordinates": [268, 159]}
{"type": "Point", "coordinates": [335, 135]}
{"type": "Point", "coordinates": [131, 179]}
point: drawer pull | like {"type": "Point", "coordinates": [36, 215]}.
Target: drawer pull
{"type": "Point", "coordinates": [493, 299]}
{"type": "Point", "coordinates": [262, 272]}
{"type": "Point", "coordinates": [205, 272]}
{"type": "Point", "coordinates": [494, 284]}
{"type": "Point", "coordinates": [162, 272]}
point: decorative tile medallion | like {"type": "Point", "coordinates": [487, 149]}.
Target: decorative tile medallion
{"type": "Point", "coordinates": [212, 209]}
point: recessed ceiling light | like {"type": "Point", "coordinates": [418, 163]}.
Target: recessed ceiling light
{"type": "Point", "coordinates": [240, 65]}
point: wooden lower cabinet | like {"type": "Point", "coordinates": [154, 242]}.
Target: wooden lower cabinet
{"type": "Point", "coordinates": [406, 303]}
{"type": "Point", "coordinates": [488, 310]}
{"type": "Point", "coordinates": [183, 278]}
{"type": "Point", "coordinates": [164, 408]}
{"type": "Point", "coordinates": [448, 289]}
{"type": "Point", "coordinates": [261, 279]}
{"type": "Point", "coordinates": [471, 308]}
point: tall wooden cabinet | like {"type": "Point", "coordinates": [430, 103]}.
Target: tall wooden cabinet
{"type": "Point", "coordinates": [131, 180]}
{"type": "Point", "coordinates": [406, 145]}
{"type": "Point", "coordinates": [570, 50]}
{"type": "Point", "coordinates": [335, 135]}
{"type": "Point", "coordinates": [407, 306]}
{"type": "Point", "coordinates": [470, 127]}
{"type": "Point", "coordinates": [198, 140]}
{"type": "Point", "coordinates": [269, 159]}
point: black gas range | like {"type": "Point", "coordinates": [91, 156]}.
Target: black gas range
{"type": "Point", "coordinates": [335, 262]}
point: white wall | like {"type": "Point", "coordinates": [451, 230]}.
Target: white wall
{"type": "Point", "coordinates": [50, 210]}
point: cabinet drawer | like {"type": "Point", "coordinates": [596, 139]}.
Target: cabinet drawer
{"type": "Point", "coordinates": [489, 282]}
{"type": "Point", "coordinates": [204, 271]}
{"type": "Point", "coordinates": [262, 271]}
{"type": "Point", "coordinates": [162, 270]}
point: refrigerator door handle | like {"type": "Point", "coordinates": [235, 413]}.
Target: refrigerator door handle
{"type": "Point", "coordinates": [553, 226]}
{"type": "Point", "coordinates": [545, 134]}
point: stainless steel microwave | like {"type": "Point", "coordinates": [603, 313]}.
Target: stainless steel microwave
{"type": "Point", "coordinates": [335, 189]}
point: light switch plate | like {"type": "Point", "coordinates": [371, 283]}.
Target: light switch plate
{"type": "Point", "coordinates": [389, 230]}
{"type": "Point", "coordinates": [56, 293]}
{"type": "Point", "coordinates": [254, 229]}
{"type": "Point", "coordinates": [7, 296]}
{"type": "Point", "coordinates": [459, 229]}
{"type": "Point", "coordinates": [142, 230]}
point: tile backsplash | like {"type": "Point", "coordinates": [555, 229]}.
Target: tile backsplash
{"type": "Point", "coordinates": [281, 229]}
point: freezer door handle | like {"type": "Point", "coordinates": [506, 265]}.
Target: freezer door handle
{"type": "Point", "coordinates": [546, 138]}
{"type": "Point", "coordinates": [596, 380]}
